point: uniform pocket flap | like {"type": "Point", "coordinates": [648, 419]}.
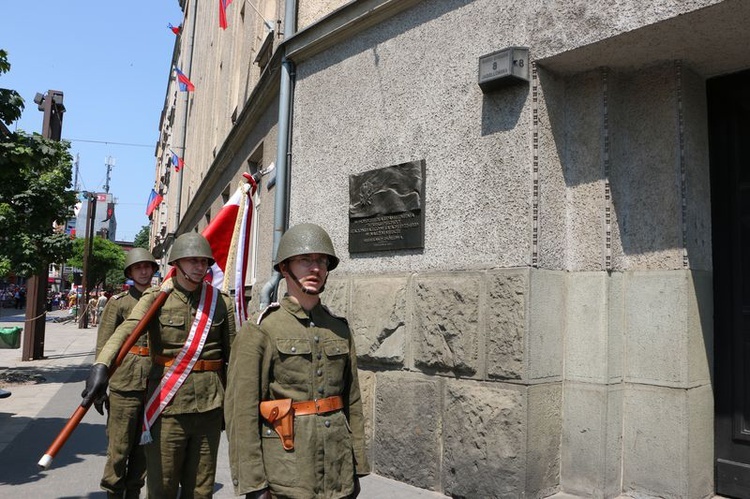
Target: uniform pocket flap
{"type": "Point", "coordinates": [332, 348]}
{"type": "Point", "coordinates": [294, 346]}
{"type": "Point", "coordinates": [173, 321]}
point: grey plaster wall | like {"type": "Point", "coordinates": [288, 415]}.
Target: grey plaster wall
{"type": "Point", "coordinates": [477, 181]}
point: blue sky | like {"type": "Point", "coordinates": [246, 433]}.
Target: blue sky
{"type": "Point", "coordinates": [112, 61]}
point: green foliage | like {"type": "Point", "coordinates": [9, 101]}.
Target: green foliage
{"type": "Point", "coordinates": [115, 278]}
{"type": "Point", "coordinates": [34, 193]}
{"type": "Point", "coordinates": [11, 102]}
{"type": "Point", "coordinates": [105, 256]}
{"type": "Point", "coordinates": [141, 239]}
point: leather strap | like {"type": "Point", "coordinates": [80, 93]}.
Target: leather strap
{"type": "Point", "coordinates": [137, 350]}
{"type": "Point", "coordinates": [318, 406]}
{"type": "Point", "coordinates": [200, 364]}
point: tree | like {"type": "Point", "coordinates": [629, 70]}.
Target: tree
{"type": "Point", "coordinates": [105, 256]}
{"type": "Point", "coordinates": [34, 193]}
{"type": "Point", "coordinates": [142, 238]}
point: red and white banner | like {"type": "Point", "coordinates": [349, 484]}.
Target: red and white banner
{"type": "Point", "coordinates": [237, 217]}
{"type": "Point", "coordinates": [178, 372]}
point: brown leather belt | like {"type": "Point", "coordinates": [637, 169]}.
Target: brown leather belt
{"type": "Point", "coordinates": [200, 364]}
{"type": "Point", "coordinates": [136, 350]}
{"type": "Point", "coordinates": [318, 406]}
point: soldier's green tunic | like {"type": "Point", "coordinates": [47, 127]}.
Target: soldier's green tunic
{"type": "Point", "coordinates": [193, 420]}
{"type": "Point", "coordinates": [293, 354]}
{"type": "Point", "coordinates": [125, 469]}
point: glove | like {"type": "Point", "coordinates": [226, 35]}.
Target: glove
{"type": "Point", "coordinates": [101, 402]}
{"type": "Point", "coordinates": [259, 494]}
{"type": "Point", "coordinates": [96, 384]}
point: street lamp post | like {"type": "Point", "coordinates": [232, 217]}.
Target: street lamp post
{"type": "Point", "coordinates": [51, 104]}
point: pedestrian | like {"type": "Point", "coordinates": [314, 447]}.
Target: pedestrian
{"type": "Point", "coordinates": [101, 302]}
{"type": "Point", "coordinates": [189, 343]}
{"type": "Point", "coordinates": [294, 414]}
{"type": "Point", "coordinates": [125, 470]}
{"type": "Point", "coordinates": [91, 309]}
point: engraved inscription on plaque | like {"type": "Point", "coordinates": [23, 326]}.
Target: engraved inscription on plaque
{"type": "Point", "coordinates": [386, 208]}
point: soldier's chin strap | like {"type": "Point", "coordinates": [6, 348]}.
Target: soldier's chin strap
{"type": "Point", "coordinates": [184, 274]}
{"type": "Point", "coordinates": [304, 289]}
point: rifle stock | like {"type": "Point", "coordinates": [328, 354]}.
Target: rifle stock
{"type": "Point", "coordinates": [81, 410]}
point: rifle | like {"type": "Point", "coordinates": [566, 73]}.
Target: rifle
{"type": "Point", "coordinates": [81, 410]}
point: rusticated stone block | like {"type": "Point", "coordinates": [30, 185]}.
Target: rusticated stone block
{"type": "Point", "coordinates": [506, 323]}
{"type": "Point", "coordinates": [484, 439]}
{"type": "Point", "coordinates": [544, 346]}
{"type": "Point", "coordinates": [367, 390]}
{"type": "Point", "coordinates": [378, 319]}
{"type": "Point", "coordinates": [336, 297]}
{"type": "Point", "coordinates": [446, 321]}
{"type": "Point", "coordinates": [544, 426]}
{"type": "Point", "coordinates": [406, 440]}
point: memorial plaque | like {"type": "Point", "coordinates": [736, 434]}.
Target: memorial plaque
{"type": "Point", "coordinates": [386, 208]}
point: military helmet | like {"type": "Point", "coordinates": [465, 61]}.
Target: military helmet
{"type": "Point", "coordinates": [304, 239]}
{"type": "Point", "coordinates": [191, 245]}
{"type": "Point", "coordinates": [138, 255]}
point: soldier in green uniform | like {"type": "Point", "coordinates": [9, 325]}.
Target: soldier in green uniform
{"type": "Point", "coordinates": [293, 408]}
{"type": "Point", "coordinates": [189, 343]}
{"type": "Point", "coordinates": [125, 469]}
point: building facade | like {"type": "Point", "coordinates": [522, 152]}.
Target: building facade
{"type": "Point", "coordinates": [573, 320]}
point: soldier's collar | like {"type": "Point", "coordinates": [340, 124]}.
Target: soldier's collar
{"type": "Point", "coordinates": [296, 309]}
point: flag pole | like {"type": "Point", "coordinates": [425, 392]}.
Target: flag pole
{"type": "Point", "coordinates": [81, 410]}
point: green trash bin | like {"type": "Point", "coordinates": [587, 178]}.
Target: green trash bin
{"type": "Point", "coordinates": [10, 337]}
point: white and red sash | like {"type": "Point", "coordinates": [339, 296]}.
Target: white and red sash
{"type": "Point", "coordinates": [183, 363]}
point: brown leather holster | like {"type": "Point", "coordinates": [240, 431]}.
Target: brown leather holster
{"type": "Point", "coordinates": [279, 414]}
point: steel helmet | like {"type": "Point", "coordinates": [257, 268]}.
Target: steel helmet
{"type": "Point", "coordinates": [138, 255]}
{"type": "Point", "coordinates": [191, 245]}
{"type": "Point", "coordinates": [304, 239]}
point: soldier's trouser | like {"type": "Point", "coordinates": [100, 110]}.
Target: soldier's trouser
{"type": "Point", "coordinates": [183, 454]}
{"type": "Point", "coordinates": [125, 469]}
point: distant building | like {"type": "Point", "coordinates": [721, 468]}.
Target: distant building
{"type": "Point", "coordinates": [105, 224]}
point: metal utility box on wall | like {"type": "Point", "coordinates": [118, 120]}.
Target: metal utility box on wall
{"type": "Point", "coordinates": [504, 67]}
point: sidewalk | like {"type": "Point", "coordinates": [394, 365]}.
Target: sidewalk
{"type": "Point", "coordinates": [48, 390]}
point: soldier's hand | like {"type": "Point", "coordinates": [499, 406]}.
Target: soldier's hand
{"type": "Point", "coordinates": [101, 402]}
{"type": "Point", "coordinates": [96, 384]}
{"type": "Point", "coordinates": [259, 494]}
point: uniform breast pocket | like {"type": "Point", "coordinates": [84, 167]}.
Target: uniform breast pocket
{"type": "Point", "coordinates": [172, 329]}
{"type": "Point", "coordinates": [337, 359]}
{"type": "Point", "coordinates": [295, 361]}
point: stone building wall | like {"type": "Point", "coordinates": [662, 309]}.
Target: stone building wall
{"type": "Point", "coordinates": [555, 333]}
{"type": "Point", "coordinates": [556, 327]}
